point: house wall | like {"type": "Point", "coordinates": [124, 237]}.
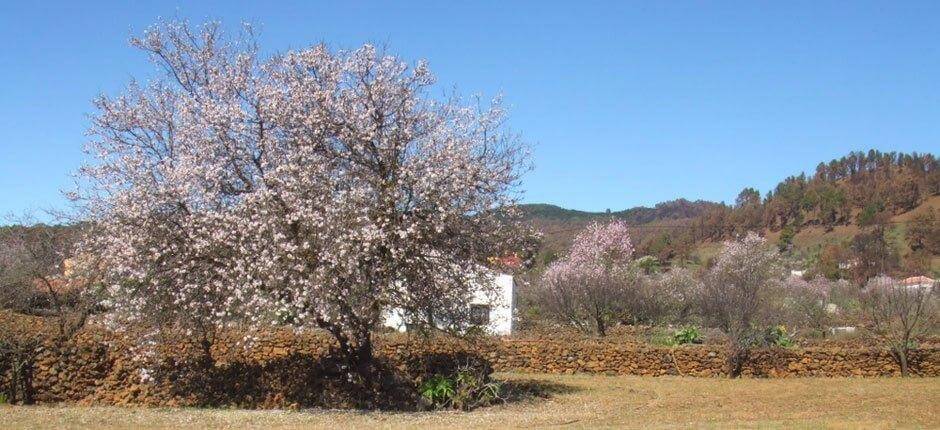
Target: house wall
{"type": "Point", "coordinates": [501, 307]}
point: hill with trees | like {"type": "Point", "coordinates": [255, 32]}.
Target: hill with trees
{"type": "Point", "coordinates": [559, 225]}
{"type": "Point", "coordinates": [875, 207]}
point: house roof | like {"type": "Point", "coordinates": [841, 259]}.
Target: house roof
{"type": "Point", "coordinates": [917, 280]}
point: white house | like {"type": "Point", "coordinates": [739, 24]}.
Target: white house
{"type": "Point", "coordinates": [918, 282]}
{"type": "Point", "coordinates": [492, 313]}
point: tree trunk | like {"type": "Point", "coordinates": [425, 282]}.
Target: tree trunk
{"type": "Point", "coordinates": [901, 355]}
{"type": "Point", "coordinates": [363, 372]}
{"type": "Point", "coordinates": [206, 346]}
{"type": "Point", "coordinates": [601, 327]}
{"type": "Point", "coordinates": [736, 360]}
{"type": "Point", "coordinates": [361, 359]}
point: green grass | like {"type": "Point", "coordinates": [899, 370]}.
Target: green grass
{"type": "Point", "coordinates": [575, 401]}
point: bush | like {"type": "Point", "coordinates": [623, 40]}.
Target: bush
{"type": "Point", "coordinates": [898, 315]}
{"type": "Point", "coordinates": [738, 295]}
{"type": "Point", "coordinates": [686, 335]}
{"type": "Point", "coordinates": [777, 336]}
{"type": "Point", "coordinates": [467, 389]}
{"type": "Point", "coordinates": [16, 369]}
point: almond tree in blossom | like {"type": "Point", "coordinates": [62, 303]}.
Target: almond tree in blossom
{"type": "Point", "coordinates": [589, 288]}
{"type": "Point", "coordinates": [739, 294]}
{"type": "Point", "coordinates": [318, 188]}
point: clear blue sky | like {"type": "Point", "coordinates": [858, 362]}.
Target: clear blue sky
{"type": "Point", "coordinates": [626, 103]}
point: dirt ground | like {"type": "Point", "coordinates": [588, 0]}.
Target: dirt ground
{"type": "Point", "coordinates": [574, 401]}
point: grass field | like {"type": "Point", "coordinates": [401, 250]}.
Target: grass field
{"type": "Point", "coordinates": [576, 401]}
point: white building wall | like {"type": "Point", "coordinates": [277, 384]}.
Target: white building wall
{"type": "Point", "coordinates": [501, 307]}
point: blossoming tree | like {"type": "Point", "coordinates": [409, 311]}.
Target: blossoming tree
{"type": "Point", "coordinates": [899, 315]}
{"type": "Point", "coordinates": [738, 295]}
{"type": "Point", "coordinates": [315, 188]}
{"type": "Point", "coordinates": [590, 286]}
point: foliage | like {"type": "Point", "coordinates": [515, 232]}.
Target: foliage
{"type": "Point", "coordinates": [647, 264]}
{"type": "Point", "coordinates": [465, 390]}
{"type": "Point", "coordinates": [871, 214]}
{"type": "Point", "coordinates": [687, 335]}
{"type": "Point", "coordinates": [40, 275]}
{"type": "Point", "coordinates": [316, 187]}
{"type": "Point", "coordinates": [872, 255]}
{"type": "Point", "coordinates": [806, 304]}
{"type": "Point", "coordinates": [589, 288]}
{"type": "Point", "coordinates": [785, 241]}
{"type": "Point", "coordinates": [777, 336]}
{"type": "Point", "coordinates": [924, 232]}
{"type": "Point", "coordinates": [17, 357]}
{"type": "Point", "coordinates": [738, 295]}
{"type": "Point", "coordinates": [831, 260]}
{"type": "Point", "coordinates": [671, 297]}
{"type": "Point", "coordinates": [438, 390]}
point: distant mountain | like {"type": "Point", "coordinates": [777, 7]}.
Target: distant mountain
{"type": "Point", "coordinates": [671, 210]}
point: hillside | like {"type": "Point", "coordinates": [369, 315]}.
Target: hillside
{"type": "Point", "coordinates": [559, 225]}
{"type": "Point", "coordinates": [874, 206]}
{"type": "Point", "coordinates": [674, 209]}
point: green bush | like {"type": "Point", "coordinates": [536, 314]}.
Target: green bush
{"type": "Point", "coordinates": [778, 336]}
{"type": "Point", "coordinates": [686, 335]}
{"type": "Point", "coordinates": [3, 399]}
{"type": "Point", "coordinates": [466, 389]}
{"type": "Point", "coordinates": [438, 390]}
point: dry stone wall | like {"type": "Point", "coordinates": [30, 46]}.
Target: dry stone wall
{"type": "Point", "coordinates": [284, 368]}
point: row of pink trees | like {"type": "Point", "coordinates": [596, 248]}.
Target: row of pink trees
{"type": "Point", "coordinates": [318, 188]}
{"type": "Point", "coordinates": [744, 293]}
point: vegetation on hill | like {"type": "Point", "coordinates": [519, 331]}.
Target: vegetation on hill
{"type": "Point", "coordinates": [673, 209]}
{"type": "Point", "coordinates": [559, 226]}
{"type": "Point", "coordinates": [875, 207]}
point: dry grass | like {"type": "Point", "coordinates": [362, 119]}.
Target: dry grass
{"type": "Point", "coordinates": [577, 401]}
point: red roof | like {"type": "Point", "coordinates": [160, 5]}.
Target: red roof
{"type": "Point", "coordinates": [917, 280]}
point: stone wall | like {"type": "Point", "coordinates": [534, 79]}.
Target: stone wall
{"type": "Point", "coordinates": [285, 368]}
{"type": "Point", "coordinates": [700, 360]}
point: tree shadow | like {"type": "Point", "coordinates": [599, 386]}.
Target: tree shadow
{"type": "Point", "coordinates": [301, 381]}
{"type": "Point", "coordinates": [527, 390]}
{"type": "Point", "coordinates": [293, 381]}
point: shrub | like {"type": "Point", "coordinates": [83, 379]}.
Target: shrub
{"type": "Point", "coordinates": [16, 369]}
{"type": "Point", "coordinates": [467, 389]}
{"type": "Point", "coordinates": [806, 305]}
{"type": "Point", "coordinates": [591, 287]}
{"type": "Point", "coordinates": [438, 390]}
{"type": "Point", "coordinates": [738, 294]}
{"type": "Point", "coordinates": [898, 315]}
{"type": "Point", "coordinates": [686, 335]}
{"type": "Point", "coordinates": [679, 288]}
{"type": "Point", "coordinates": [777, 336]}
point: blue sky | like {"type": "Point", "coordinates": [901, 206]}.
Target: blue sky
{"type": "Point", "coordinates": [625, 103]}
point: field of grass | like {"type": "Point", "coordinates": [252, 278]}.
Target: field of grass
{"type": "Point", "coordinates": [575, 401]}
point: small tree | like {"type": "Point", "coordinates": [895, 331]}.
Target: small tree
{"type": "Point", "coordinates": [679, 289]}
{"type": "Point", "coordinates": [590, 286]}
{"type": "Point", "coordinates": [924, 232]}
{"type": "Point", "coordinates": [806, 304]}
{"type": "Point", "coordinates": [40, 275]}
{"type": "Point", "coordinates": [899, 315]}
{"type": "Point", "coordinates": [738, 294]}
